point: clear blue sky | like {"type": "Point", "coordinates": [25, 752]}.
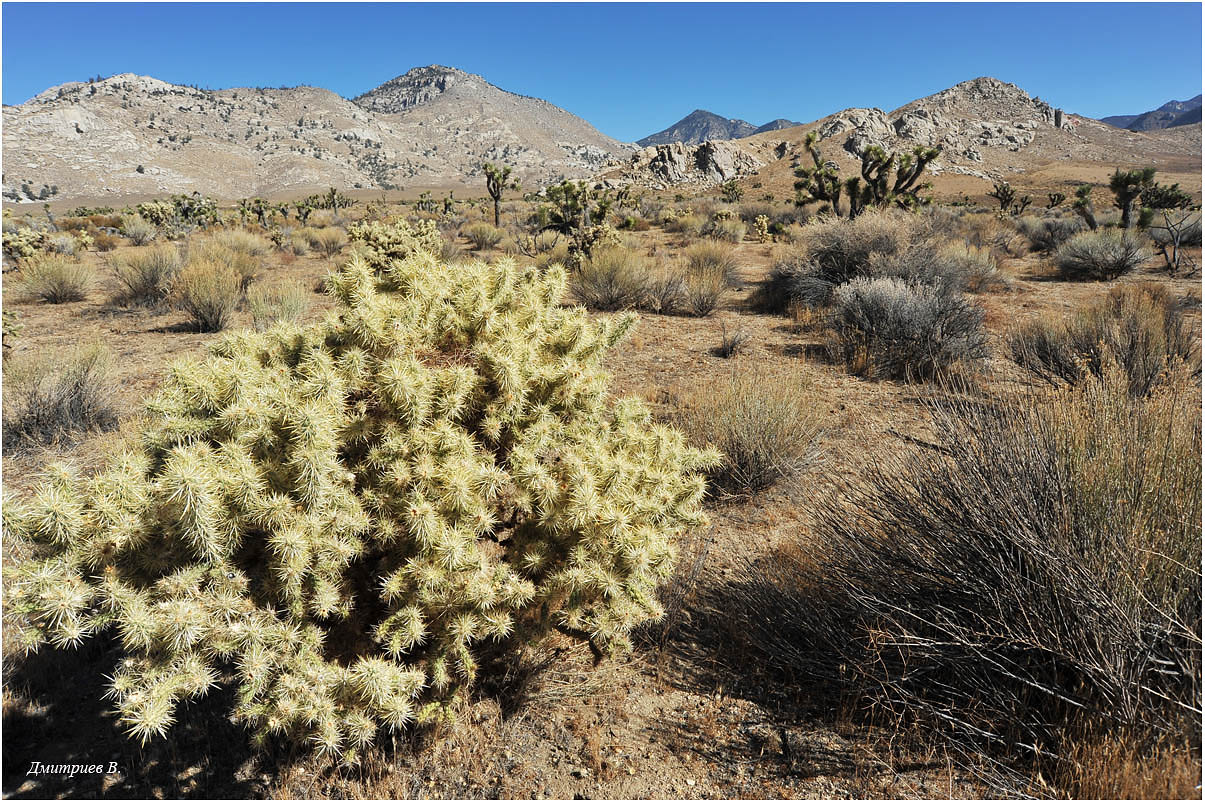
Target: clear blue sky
{"type": "Point", "coordinates": [632, 69]}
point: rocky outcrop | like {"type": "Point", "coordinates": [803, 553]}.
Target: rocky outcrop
{"type": "Point", "coordinates": [706, 164]}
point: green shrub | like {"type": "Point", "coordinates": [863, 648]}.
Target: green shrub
{"type": "Point", "coordinates": [765, 426]}
{"type": "Point", "coordinates": [1047, 234]}
{"type": "Point", "coordinates": [483, 236]}
{"type": "Point", "coordinates": [336, 519]}
{"type": "Point", "coordinates": [277, 303]}
{"type": "Point", "coordinates": [1099, 255]}
{"type": "Point", "coordinates": [209, 292]}
{"type": "Point", "coordinates": [146, 274]}
{"type": "Point", "coordinates": [56, 279]}
{"type": "Point", "coordinates": [906, 330]}
{"type": "Point", "coordinates": [45, 401]}
{"type": "Point", "coordinates": [1139, 328]}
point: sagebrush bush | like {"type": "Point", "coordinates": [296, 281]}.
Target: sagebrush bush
{"type": "Point", "coordinates": [210, 292]}
{"type": "Point", "coordinates": [339, 519]}
{"type": "Point", "coordinates": [1033, 580]}
{"type": "Point", "coordinates": [328, 241]}
{"type": "Point", "coordinates": [764, 425]}
{"type": "Point", "coordinates": [906, 330]}
{"type": "Point", "coordinates": [279, 302]}
{"type": "Point", "coordinates": [146, 274]}
{"type": "Point", "coordinates": [243, 241]}
{"type": "Point", "coordinates": [730, 230]}
{"type": "Point", "coordinates": [483, 236]}
{"type": "Point", "coordinates": [1047, 234]}
{"type": "Point", "coordinates": [611, 279]}
{"type": "Point", "coordinates": [56, 279]}
{"type": "Point", "coordinates": [242, 262]}
{"type": "Point", "coordinates": [713, 258]}
{"type": "Point", "coordinates": [138, 230]}
{"type": "Point", "coordinates": [1099, 255]}
{"type": "Point", "coordinates": [1140, 328]}
{"type": "Point", "coordinates": [62, 243]}
{"type": "Point", "coordinates": [45, 401]}
{"type": "Point", "coordinates": [689, 224]}
{"type": "Point", "coordinates": [705, 286]}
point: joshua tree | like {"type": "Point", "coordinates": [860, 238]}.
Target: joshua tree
{"type": "Point", "coordinates": [1056, 199]}
{"type": "Point", "coordinates": [1003, 192]}
{"type": "Point", "coordinates": [1021, 205]}
{"type": "Point", "coordinates": [1083, 205]}
{"type": "Point", "coordinates": [819, 183]}
{"type": "Point", "coordinates": [731, 192]}
{"type": "Point", "coordinates": [497, 181]}
{"type": "Point", "coordinates": [1127, 188]}
{"type": "Point", "coordinates": [875, 187]}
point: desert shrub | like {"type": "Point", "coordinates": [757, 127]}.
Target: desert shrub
{"type": "Point", "coordinates": [611, 279]}
{"type": "Point", "coordinates": [729, 230]}
{"type": "Point", "coordinates": [1190, 234]}
{"type": "Point", "coordinates": [297, 243]}
{"type": "Point", "coordinates": [243, 262]}
{"type": "Point", "coordinates": [56, 279]}
{"type": "Point", "coordinates": [339, 520]}
{"type": "Point", "coordinates": [705, 286]}
{"type": "Point", "coordinates": [780, 289]}
{"type": "Point", "coordinates": [1047, 234]}
{"type": "Point", "coordinates": [243, 242]}
{"type": "Point", "coordinates": [45, 401]}
{"type": "Point", "coordinates": [1099, 255]}
{"type": "Point", "coordinates": [665, 290]}
{"type": "Point", "coordinates": [713, 258]}
{"type": "Point", "coordinates": [906, 330]}
{"type": "Point", "coordinates": [146, 274]}
{"type": "Point", "coordinates": [558, 254]}
{"type": "Point", "coordinates": [138, 230]}
{"type": "Point", "coordinates": [689, 224]}
{"type": "Point", "coordinates": [764, 425]}
{"type": "Point", "coordinates": [276, 303]}
{"type": "Point", "coordinates": [1035, 577]}
{"type": "Point", "coordinates": [750, 212]}
{"type": "Point", "coordinates": [1139, 328]}
{"type": "Point", "coordinates": [483, 236]}
{"type": "Point", "coordinates": [329, 241]}
{"type": "Point", "coordinates": [62, 243]}
{"type": "Point", "coordinates": [105, 242]}
{"type": "Point", "coordinates": [106, 221]}
{"type": "Point", "coordinates": [951, 265]}
{"type": "Point", "coordinates": [381, 244]}
{"type": "Point", "coordinates": [975, 269]}
{"type": "Point", "coordinates": [209, 292]}
{"type": "Point", "coordinates": [450, 252]}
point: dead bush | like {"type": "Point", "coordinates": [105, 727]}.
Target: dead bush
{"type": "Point", "coordinates": [47, 400]}
{"type": "Point", "coordinates": [56, 279]}
{"type": "Point", "coordinates": [146, 274]}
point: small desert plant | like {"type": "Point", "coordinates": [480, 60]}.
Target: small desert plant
{"type": "Point", "coordinates": [245, 264]}
{"type": "Point", "coordinates": [243, 241]}
{"type": "Point", "coordinates": [666, 291]}
{"type": "Point", "coordinates": [705, 286]}
{"type": "Point", "coordinates": [731, 343]}
{"type": "Point", "coordinates": [1140, 329]}
{"type": "Point", "coordinates": [1099, 255]}
{"type": "Point", "coordinates": [483, 236]}
{"type": "Point", "coordinates": [906, 330]}
{"type": "Point", "coordinates": [62, 243]}
{"type": "Point", "coordinates": [105, 242]}
{"type": "Point", "coordinates": [765, 426]}
{"type": "Point", "coordinates": [146, 274]}
{"type": "Point", "coordinates": [44, 403]}
{"type": "Point", "coordinates": [275, 303]}
{"type": "Point", "coordinates": [328, 241]}
{"type": "Point", "coordinates": [730, 230]}
{"type": "Point", "coordinates": [56, 279]}
{"type": "Point", "coordinates": [690, 224]}
{"type": "Point", "coordinates": [611, 279]}
{"type": "Point", "coordinates": [209, 292]}
{"type": "Point", "coordinates": [138, 230]}
{"type": "Point", "coordinates": [1047, 234]}
{"type": "Point", "coordinates": [713, 258]}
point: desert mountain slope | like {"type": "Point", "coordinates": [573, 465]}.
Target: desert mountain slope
{"type": "Point", "coordinates": [130, 135]}
{"type": "Point", "coordinates": [702, 125]}
{"type": "Point", "coordinates": [987, 129]}
{"type": "Point", "coordinates": [1169, 115]}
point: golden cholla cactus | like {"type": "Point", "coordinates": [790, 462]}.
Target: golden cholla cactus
{"type": "Point", "coordinates": [336, 517]}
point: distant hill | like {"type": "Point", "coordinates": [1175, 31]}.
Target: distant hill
{"type": "Point", "coordinates": [701, 126]}
{"type": "Point", "coordinates": [1169, 115]}
{"type": "Point", "coordinates": [131, 135]}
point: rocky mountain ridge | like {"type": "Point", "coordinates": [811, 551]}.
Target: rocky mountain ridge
{"type": "Point", "coordinates": [132, 135]}
{"type": "Point", "coordinates": [1169, 115]}
{"type": "Point", "coordinates": [702, 125]}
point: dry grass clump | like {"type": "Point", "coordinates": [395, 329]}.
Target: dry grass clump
{"type": "Point", "coordinates": [710, 257]}
{"type": "Point", "coordinates": [906, 330]}
{"type": "Point", "coordinates": [1099, 255]}
{"type": "Point", "coordinates": [45, 401]}
{"type": "Point", "coordinates": [766, 426]}
{"type": "Point", "coordinates": [483, 236]}
{"type": "Point", "coordinates": [146, 274]}
{"type": "Point", "coordinates": [279, 302]}
{"type": "Point", "coordinates": [328, 241]}
{"type": "Point", "coordinates": [209, 292]}
{"type": "Point", "coordinates": [137, 229]}
{"type": "Point", "coordinates": [1031, 581]}
{"type": "Point", "coordinates": [729, 230]}
{"type": "Point", "coordinates": [56, 279]}
{"type": "Point", "coordinates": [1140, 328]}
{"type": "Point", "coordinates": [243, 241]}
{"type": "Point", "coordinates": [611, 279]}
{"type": "Point", "coordinates": [1048, 233]}
{"type": "Point", "coordinates": [689, 224]}
{"type": "Point", "coordinates": [242, 261]}
{"type": "Point", "coordinates": [62, 243]}
{"type": "Point", "coordinates": [704, 286]}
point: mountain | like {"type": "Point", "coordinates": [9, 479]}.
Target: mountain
{"type": "Point", "coordinates": [987, 130]}
{"type": "Point", "coordinates": [701, 126]}
{"type": "Point", "coordinates": [1169, 115]}
{"type": "Point", "coordinates": [131, 135]}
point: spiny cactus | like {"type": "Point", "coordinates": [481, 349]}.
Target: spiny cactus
{"type": "Point", "coordinates": [761, 228]}
{"type": "Point", "coordinates": [336, 518]}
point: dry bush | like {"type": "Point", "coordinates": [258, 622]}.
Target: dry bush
{"type": "Point", "coordinates": [557, 254]}
{"type": "Point", "coordinates": [1047, 234]}
{"type": "Point", "coordinates": [209, 292]}
{"type": "Point", "coordinates": [730, 230]}
{"type": "Point", "coordinates": [1031, 578]}
{"type": "Point", "coordinates": [328, 241]}
{"type": "Point", "coordinates": [275, 303]}
{"type": "Point", "coordinates": [1190, 234]}
{"type": "Point", "coordinates": [103, 241]}
{"type": "Point", "coordinates": [1140, 328]}
{"type": "Point", "coordinates": [44, 403]}
{"type": "Point", "coordinates": [765, 425]}
{"type": "Point", "coordinates": [705, 286]}
{"type": "Point", "coordinates": [611, 279]}
{"type": "Point", "coordinates": [974, 269]}
{"type": "Point", "coordinates": [906, 330]}
{"type": "Point", "coordinates": [691, 225]}
{"type": "Point", "coordinates": [245, 264]}
{"type": "Point", "coordinates": [710, 257]}
{"type": "Point", "coordinates": [243, 241]}
{"type": "Point", "coordinates": [666, 290]}
{"type": "Point", "coordinates": [298, 243]}
{"type": "Point", "coordinates": [138, 230]}
{"type": "Point", "coordinates": [1099, 255]}
{"type": "Point", "coordinates": [146, 274]}
{"type": "Point", "coordinates": [450, 252]}
{"type": "Point", "coordinates": [483, 236]}
{"type": "Point", "coordinates": [777, 293]}
{"type": "Point", "coordinates": [62, 243]}
{"type": "Point", "coordinates": [56, 279]}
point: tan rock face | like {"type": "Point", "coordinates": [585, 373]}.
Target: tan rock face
{"type": "Point", "coordinates": [432, 126]}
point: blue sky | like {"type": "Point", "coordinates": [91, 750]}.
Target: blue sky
{"type": "Point", "coordinates": [631, 69]}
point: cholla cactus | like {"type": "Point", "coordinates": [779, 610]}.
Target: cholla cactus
{"type": "Point", "coordinates": [381, 244]}
{"type": "Point", "coordinates": [761, 228]}
{"type": "Point", "coordinates": [335, 518]}
{"type": "Point", "coordinates": [25, 243]}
